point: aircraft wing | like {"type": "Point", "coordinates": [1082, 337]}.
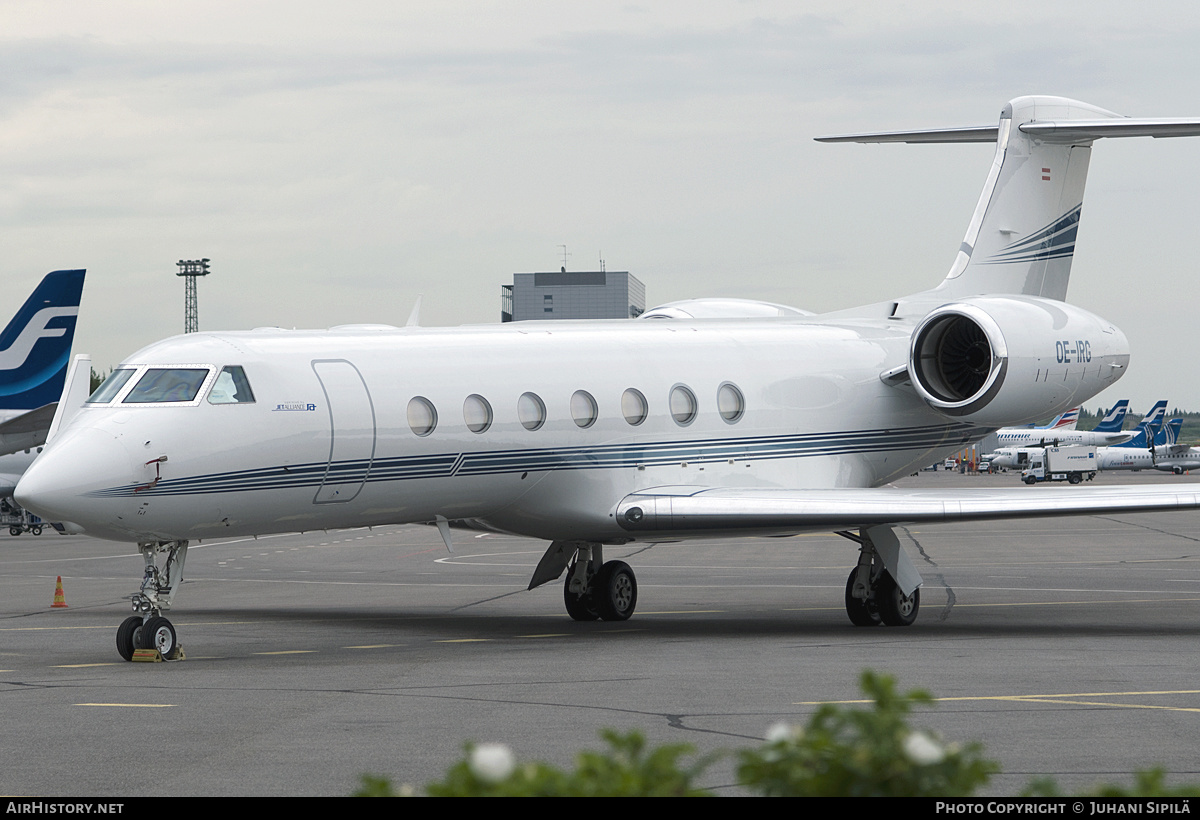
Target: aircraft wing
{"type": "Point", "coordinates": [26, 430]}
{"type": "Point", "coordinates": [773, 511]}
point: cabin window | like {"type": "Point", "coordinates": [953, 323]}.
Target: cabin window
{"type": "Point", "coordinates": [477, 413]}
{"type": "Point", "coordinates": [683, 405]}
{"type": "Point", "coordinates": [108, 391]}
{"type": "Point", "coordinates": [231, 387]}
{"type": "Point", "coordinates": [583, 409]}
{"type": "Point", "coordinates": [634, 407]}
{"type": "Point", "coordinates": [167, 384]}
{"type": "Point", "coordinates": [531, 410]}
{"type": "Point", "coordinates": [730, 403]}
{"type": "Point", "coordinates": [422, 416]}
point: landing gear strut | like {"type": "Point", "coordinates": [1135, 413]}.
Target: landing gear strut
{"type": "Point", "coordinates": [594, 588]}
{"type": "Point", "coordinates": [149, 629]}
{"type": "Point", "coordinates": [873, 595]}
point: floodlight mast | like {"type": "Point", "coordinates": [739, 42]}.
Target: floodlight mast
{"type": "Point", "coordinates": [190, 269]}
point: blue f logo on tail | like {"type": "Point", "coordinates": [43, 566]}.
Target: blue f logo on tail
{"type": "Point", "coordinates": [35, 348]}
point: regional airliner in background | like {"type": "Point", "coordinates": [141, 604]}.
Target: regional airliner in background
{"type": "Point", "coordinates": [1166, 454]}
{"type": "Point", "coordinates": [1061, 432]}
{"type": "Point", "coordinates": [1019, 442]}
{"type": "Point", "coordinates": [591, 434]}
{"type": "Point", "coordinates": [35, 349]}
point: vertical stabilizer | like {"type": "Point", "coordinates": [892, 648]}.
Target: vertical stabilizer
{"type": "Point", "coordinates": [35, 347]}
{"type": "Point", "coordinates": [1114, 422]}
{"type": "Point", "coordinates": [1021, 238]}
{"type": "Point", "coordinates": [1022, 235]}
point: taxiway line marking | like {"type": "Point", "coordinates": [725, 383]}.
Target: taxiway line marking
{"type": "Point", "coordinates": [131, 705]}
{"type": "Point", "coordinates": [1070, 699]}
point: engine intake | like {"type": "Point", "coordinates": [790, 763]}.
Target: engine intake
{"type": "Point", "coordinates": [959, 358]}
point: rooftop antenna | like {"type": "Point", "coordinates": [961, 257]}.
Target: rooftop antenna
{"type": "Point", "coordinates": [602, 262]}
{"type": "Point", "coordinates": [190, 269]}
{"type": "Point", "coordinates": [565, 255]}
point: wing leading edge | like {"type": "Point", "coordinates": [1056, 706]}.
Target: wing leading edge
{"type": "Point", "coordinates": [693, 510]}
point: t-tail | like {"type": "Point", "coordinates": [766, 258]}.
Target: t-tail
{"type": "Point", "coordinates": [1021, 238]}
{"type": "Point", "coordinates": [35, 348]}
{"type": "Point", "coordinates": [1114, 422]}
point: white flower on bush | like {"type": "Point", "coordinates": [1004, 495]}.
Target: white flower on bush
{"type": "Point", "coordinates": [780, 731]}
{"type": "Point", "coordinates": [492, 762]}
{"type": "Point", "coordinates": [923, 749]}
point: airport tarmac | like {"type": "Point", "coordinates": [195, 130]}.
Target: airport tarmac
{"type": "Point", "coordinates": [1067, 646]}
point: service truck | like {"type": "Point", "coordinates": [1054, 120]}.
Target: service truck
{"type": "Point", "coordinates": [1073, 464]}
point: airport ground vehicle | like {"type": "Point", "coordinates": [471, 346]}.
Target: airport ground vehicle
{"type": "Point", "coordinates": [1071, 464]}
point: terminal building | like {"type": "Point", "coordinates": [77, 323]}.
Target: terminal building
{"type": "Point", "coordinates": [575, 295]}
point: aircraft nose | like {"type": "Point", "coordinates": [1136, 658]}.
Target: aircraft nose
{"type": "Point", "coordinates": [60, 483]}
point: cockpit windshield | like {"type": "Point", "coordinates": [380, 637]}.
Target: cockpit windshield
{"type": "Point", "coordinates": [167, 384]}
{"type": "Point", "coordinates": [231, 387]}
{"type": "Point", "coordinates": [107, 391]}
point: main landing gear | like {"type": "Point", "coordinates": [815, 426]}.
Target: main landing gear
{"type": "Point", "coordinates": [149, 629]}
{"type": "Point", "coordinates": [873, 595]}
{"type": "Point", "coordinates": [594, 589]}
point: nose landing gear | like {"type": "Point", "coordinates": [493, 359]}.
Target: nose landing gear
{"type": "Point", "coordinates": [150, 630]}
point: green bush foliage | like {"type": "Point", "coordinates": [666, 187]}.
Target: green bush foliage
{"type": "Point", "coordinates": [872, 752]}
{"type": "Point", "coordinates": [844, 751]}
{"type": "Point", "coordinates": [625, 769]}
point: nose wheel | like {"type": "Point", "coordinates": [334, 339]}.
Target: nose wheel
{"type": "Point", "coordinates": [128, 634]}
{"type": "Point", "coordinates": [149, 629]}
{"type": "Point", "coordinates": [158, 633]}
{"type": "Point", "coordinates": [155, 632]}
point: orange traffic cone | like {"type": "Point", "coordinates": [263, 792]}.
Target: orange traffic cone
{"type": "Point", "coordinates": [60, 600]}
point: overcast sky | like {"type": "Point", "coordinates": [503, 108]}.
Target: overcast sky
{"type": "Point", "coordinates": [336, 160]}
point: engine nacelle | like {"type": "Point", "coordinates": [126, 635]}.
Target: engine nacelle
{"type": "Point", "coordinates": [1004, 360]}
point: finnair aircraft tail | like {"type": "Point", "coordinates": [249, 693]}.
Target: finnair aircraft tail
{"type": "Point", "coordinates": [1115, 420]}
{"type": "Point", "coordinates": [35, 350]}
{"type": "Point", "coordinates": [1156, 415]}
{"type": "Point", "coordinates": [1162, 434]}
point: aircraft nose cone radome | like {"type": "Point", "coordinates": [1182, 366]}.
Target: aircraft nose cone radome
{"type": "Point", "coordinates": [57, 484]}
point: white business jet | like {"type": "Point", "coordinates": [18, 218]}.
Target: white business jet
{"type": "Point", "coordinates": [599, 433]}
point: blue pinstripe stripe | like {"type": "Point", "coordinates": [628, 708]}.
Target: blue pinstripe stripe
{"type": "Point", "coordinates": [502, 462]}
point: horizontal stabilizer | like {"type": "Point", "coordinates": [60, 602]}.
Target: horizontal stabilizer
{"type": "Point", "coordinates": [775, 511]}
{"type": "Point", "coordinates": [1072, 131]}
{"type": "Point", "coordinates": [1065, 131]}
{"type": "Point", "coordinates": [27, 430]}
{"type": "Point", "coordinates": [971, 133]}
{"type": "Point", "coordinates": [34, 421]}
